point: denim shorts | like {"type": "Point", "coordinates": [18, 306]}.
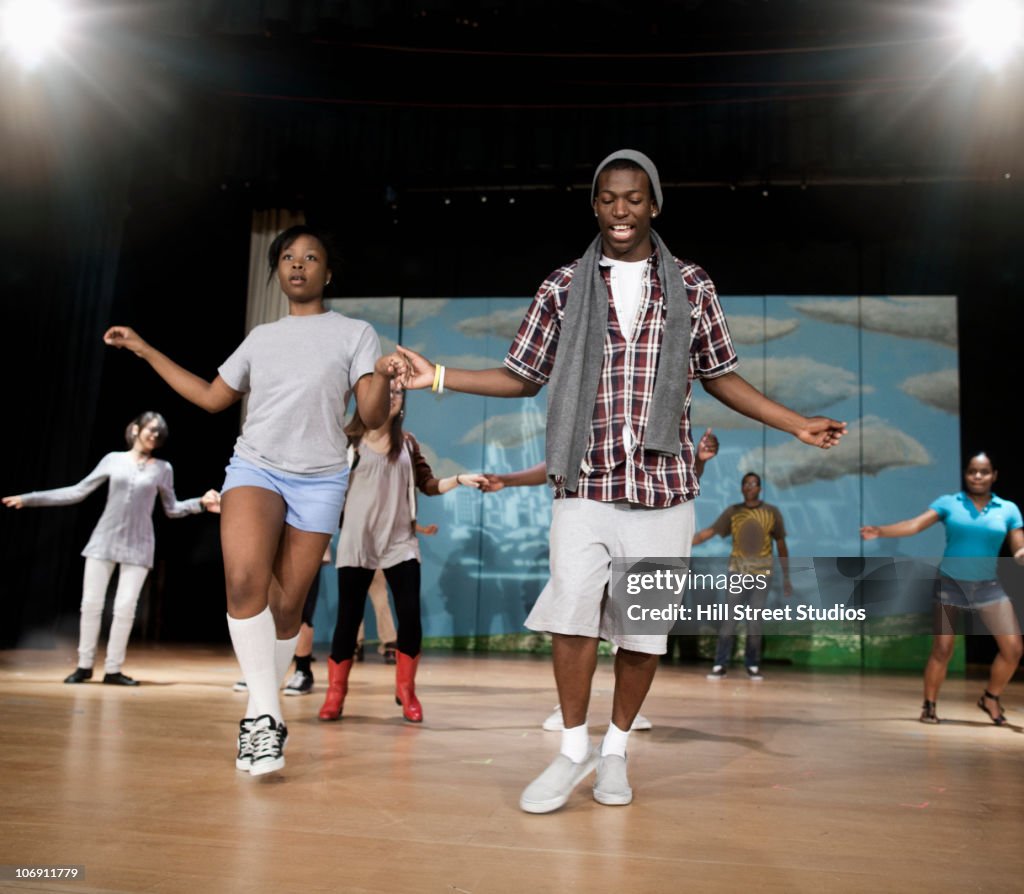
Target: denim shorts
{"type": "Point", "coordinates": [312, 504]}
{"type": "Point", "coordinates": [969, 594]}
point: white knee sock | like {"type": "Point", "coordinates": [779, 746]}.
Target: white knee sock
{"type": "Point", "coordinates": [284, 651]}
{"type": "Point", "coordinates": [614, 741]}
{"type": "Point", "coordinates": [576, 743]}
{"type": "Point", "coordinates": [254, 640]}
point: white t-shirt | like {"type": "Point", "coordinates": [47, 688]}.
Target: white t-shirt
{"type": "Point", "coordinates": [627, 289]}
{"type": "Point", "coordinates": [299, 372]}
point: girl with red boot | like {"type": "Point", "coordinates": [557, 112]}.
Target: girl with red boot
{"type": "Point", "coordinates": [379, 531]}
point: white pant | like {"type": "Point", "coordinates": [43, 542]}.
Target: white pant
{"type": "Point", "coordinates": [94, 594]}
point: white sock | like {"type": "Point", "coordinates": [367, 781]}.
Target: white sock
{"type": "Point", "coordinates": [254, 640]}
{"type": "Point", "coordinates": [576, 743]}
{"type": "Point", "coordinates": [284, 651]}
{"type": "Point", "coordinates": [614, 741]}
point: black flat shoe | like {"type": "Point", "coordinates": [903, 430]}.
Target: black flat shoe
{"type": "Point", "coordinates": [928, 714]}
{"type": "Point", "coordinates": [119, 679]}
{"type": "Point", "coordinates": [80, 675]}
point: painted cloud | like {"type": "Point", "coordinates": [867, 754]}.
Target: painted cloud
{"type": "Point", "coordinates": [753, 330]}
{"type": "Point", "coordinates": [502, 324]}
{"type": "Point", "coordinates": [932, 318]}
{"type": "Point", "coordinates": [939, 389]}
{"type": "Point", "coordinates": [869, 447]}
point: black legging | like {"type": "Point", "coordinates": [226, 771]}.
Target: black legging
{"type": "Point", "coordinates": [354, 584]}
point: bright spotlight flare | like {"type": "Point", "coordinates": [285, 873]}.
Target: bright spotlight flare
{"type": "Point", "coordinates": [31, 29]}
{"type": "Point", "coordinates": [993, 29]}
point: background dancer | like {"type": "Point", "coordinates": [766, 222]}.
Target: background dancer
{"type": "Point", "coordinates": [976, 522]}
{"type": "Point", "coordinates": [752, 525]}
{"type": "Point", "coordinates": [379, 532]}
{"type": "Point", "coordinates": [123, 537]}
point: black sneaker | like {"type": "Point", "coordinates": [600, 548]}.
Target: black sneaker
{"type": "Point", "coordinates": [300, 683]}
{"type": "Point", "coordinates": [717, 672]}
{"type": "Point", "coordinates": [243, 761]}
{"type": "Point", "coordinates": [268, 738]}
{"type": "Point", "coordinates": [80, 675]}
{"type": "Point", "coordinates": [754, 673]}
{"type": "Point", "coordinates": [119, 679]}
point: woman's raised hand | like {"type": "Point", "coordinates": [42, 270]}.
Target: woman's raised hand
{"type": "Point", "coordinates": [125, 337]}
{"type": "Point", "coordinates": [14, 503]}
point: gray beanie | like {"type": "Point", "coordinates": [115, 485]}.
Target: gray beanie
{"type": "Point", "coordinates": [638, 158]}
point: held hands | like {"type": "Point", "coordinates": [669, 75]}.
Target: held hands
{"type": "Point", "coordinates": [492, 483]}
{"type": "Point", "coordinates": [14, 503]}
{"type": "Point", "coordinates": [421, 370]}
{"type": "Point", "coordinates": [392, 366]}
{"type": "Point", "coordinates": [211, 501]}
{"type": "Point", "coordinates": [125, 337]}
{"type": "Point", "coordinates": [820, 431]}
{"type": "Point", "coordinates": [472, 480]}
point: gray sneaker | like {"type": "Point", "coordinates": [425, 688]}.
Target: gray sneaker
{"type": "Point", "coordinates": [611, 785]}
{"type": "Point", "coordinates": [552, 788]}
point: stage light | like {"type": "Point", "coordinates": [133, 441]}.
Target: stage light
{"type": "Point", "coordinates": [992, 29]}
{"type": "Point", "coordinates": [31, 29]}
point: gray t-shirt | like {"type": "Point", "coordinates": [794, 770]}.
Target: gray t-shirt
{"type": "Point", "coordinates": [124, 532]}
{"type": "Point", "coordinates": [299, 372]}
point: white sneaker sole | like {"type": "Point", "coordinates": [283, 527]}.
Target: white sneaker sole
{"type": "Point", "coordinates": [298, 691]}
{"type": "Point", "coordinates": [613, 799]}
{"type": "Point", "coordinates": [243, 764]}
{"type": "Point", "coordinates": [258, 769]}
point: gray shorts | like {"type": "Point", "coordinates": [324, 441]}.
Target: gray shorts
{"type": "Point", "coordinates": [585, 536]}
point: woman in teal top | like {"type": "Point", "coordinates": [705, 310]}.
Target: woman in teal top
{"type": "Point", "coordinates": [977, 522]}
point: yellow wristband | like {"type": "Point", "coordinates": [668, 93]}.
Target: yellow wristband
{"type": "Point", "coordinates": [437, 376]}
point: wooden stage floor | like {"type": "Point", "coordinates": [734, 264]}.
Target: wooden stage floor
{"type": "Point", "coordinates": [806, 782]}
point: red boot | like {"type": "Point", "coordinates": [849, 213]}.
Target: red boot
{"type": "Point", "coordinates": [405, 687]}
{"type": "Point", "coordinates": [337, 687]}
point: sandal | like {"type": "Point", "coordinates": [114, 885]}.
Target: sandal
{"type": "Point", "coordinates": [999, 719]}
{"type": "Point", "coordinates": [928, 714]}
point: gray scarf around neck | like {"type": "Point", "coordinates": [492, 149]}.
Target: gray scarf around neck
{"type": "Point", "coordinates": [572, 390]}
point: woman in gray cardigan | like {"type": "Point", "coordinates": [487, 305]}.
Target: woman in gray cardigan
{"type": "Point", "coordinates": [123, 536]}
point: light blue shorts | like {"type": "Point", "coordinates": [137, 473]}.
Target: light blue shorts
{"type": "Point", "coordinates": [311, 504]}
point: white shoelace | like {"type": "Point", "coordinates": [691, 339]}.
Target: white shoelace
{"type": "Point", "coordinates": [268, 741]}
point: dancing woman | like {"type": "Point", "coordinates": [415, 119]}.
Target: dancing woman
{"type": "Point", "coordinates": [122, 537]}
{"type": "Point", "coordinates": [977, 522]}
{"type": "Point", "coordinates": [379, 531]}
{"type": "Point", "coordinates": [286, 481]}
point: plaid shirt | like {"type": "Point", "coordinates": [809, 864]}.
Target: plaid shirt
{"type": "Point", "coordinates": [616, 467]}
